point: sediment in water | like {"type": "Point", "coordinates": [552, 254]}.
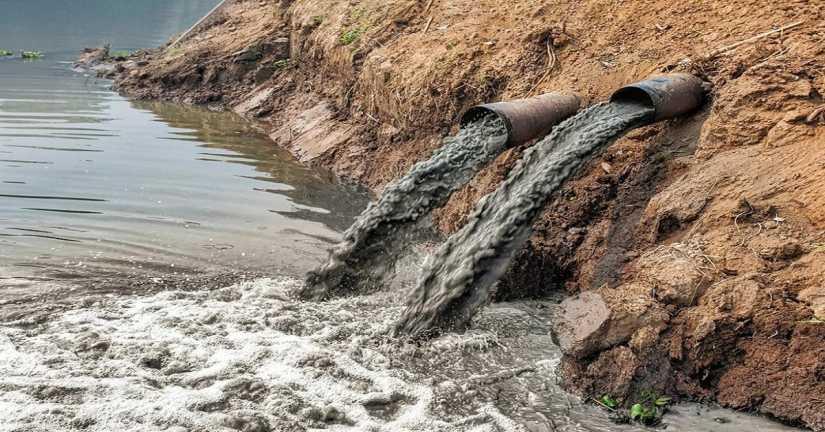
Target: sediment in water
{"type": "Point", "coordinates": [376, 240]}
{"type": "Point", "coordinates": [458, 279]}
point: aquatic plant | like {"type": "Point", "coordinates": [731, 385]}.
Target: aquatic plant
{"type": "Point", "coordinates": [5, 53]}
{"type": "Point", "coordinates": [31, 55]}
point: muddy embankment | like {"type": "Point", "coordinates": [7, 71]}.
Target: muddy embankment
{"type": "Point", "coordinates": [693, 250]}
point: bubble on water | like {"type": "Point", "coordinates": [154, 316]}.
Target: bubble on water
{"type": "Point", "coordinates": [246, 357]}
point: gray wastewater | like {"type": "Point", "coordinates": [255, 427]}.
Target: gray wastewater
{"type": "Point", "coordinates": [457, 280]}
{"type": "Point", "coordinates": [383, 233]}
{"type": "Point", "coordinates": [93, 185]}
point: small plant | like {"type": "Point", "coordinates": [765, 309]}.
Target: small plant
{"type": "Point", "coordinates": [351, 36]}
{"type": "Point", "coordinates": [609, 402]}
{"type": "Point", "coordinates": [281, 64]}
{"type": "Point", "coordinates": [5, 53]}
{"type": "Point", "coordinates": [31, 55]}
{"type": "Point", "coordinates": [649, 409]}
{"type": "Point", "coordinates": [121, 54]}
{"type": "Point", "coordinates": [317, 20]}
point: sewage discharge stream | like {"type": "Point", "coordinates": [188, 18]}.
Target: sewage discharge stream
{"type": "Point", "coordinates": [384, 231]}
{"type": "Point", "coordinates": [459, 278]}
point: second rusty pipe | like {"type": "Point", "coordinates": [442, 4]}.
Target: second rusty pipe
{"type": "Point", "coordinates": [669, 95]}
{"type": "Point", "coordinates": [528, 118]}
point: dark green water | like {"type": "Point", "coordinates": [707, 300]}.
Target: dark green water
{"type": "Point", "coordinates": [92, 183]}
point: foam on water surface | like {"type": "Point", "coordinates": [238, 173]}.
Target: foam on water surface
{"type": "Point", "coordinates": [249, 358]}
{"type": "Point", "coordinates": [239, 358]}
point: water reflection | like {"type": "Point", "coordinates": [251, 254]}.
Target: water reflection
{"type": "Point", "coordinates": [240, 143]}
{"type": "Point", "coordinates": [92, 184]}
{"type": "Point", "coordinates": [94, 187]}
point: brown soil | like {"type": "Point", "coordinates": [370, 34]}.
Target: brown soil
{"type": "Point", "coordinates": [704, 237]}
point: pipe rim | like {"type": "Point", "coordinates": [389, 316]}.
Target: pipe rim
{"type": "Point", "coordinates": [634, 93]}
{"type": "Point", "coordinates": [480, 111]}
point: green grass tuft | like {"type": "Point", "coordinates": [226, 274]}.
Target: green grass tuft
{"type": "Point", "coordinates": [351, 36]}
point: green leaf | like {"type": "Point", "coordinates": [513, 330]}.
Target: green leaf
{"type": "Point", "coordinates": [609, 401]}
{"type": "Point", "coordinates": [662, 401]}
{"type": "Point", "coordinates": [636, 411]}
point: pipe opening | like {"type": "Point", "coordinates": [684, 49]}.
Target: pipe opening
{"type": "Point", "coordinates": [668, 95]}
{"type": "Point", "coordinates": [633, 94]}
{"type": "Point", "coordinates": [526, 119]}
{"type": "Point", "coordinates": [477, 113]}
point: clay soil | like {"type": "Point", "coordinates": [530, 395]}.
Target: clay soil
{"type": "Point", "coordinates": [700, 241]}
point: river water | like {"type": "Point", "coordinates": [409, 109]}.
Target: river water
{"type": "Point", "coordinates": [94, 186]}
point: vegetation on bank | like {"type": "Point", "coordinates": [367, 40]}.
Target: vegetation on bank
{"type": "Point", "coordinates": [120, 54]}
{"type": "Point", "coordinates": [648, 408]}
{"type": "Point", "coordinates": [352, 35]}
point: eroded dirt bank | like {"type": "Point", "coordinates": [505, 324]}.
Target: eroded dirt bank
{"type": "Point", "coordinates": [695, 248]}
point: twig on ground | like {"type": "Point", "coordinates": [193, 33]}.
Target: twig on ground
{"type": "Point", "coordinates": [728, 48]}
{"type": "Point", "coordinates": [429, 22]}
{"type": "Point", "coordinates": [774, 56]}
{"type": "Point", "coordinates": [602, 404]}
{"type": "Point", "coordinates": [733, 46]}
{"type": "Point", "coordinates": [552, 61]}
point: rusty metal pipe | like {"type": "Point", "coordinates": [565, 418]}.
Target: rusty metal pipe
{"type": "Point", "coordinates": [669, 95]}
{"type": "Point", "coordinates": [527, 118]}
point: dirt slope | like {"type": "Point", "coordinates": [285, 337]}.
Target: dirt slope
{"type": "Point", "coordinates": [700, 242]}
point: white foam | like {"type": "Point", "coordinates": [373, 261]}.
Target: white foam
{"type": "Point", "coordinates": [232, 359]}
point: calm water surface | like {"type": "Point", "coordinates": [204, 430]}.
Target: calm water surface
{"type": "Point", "coordinates": [94, 184]}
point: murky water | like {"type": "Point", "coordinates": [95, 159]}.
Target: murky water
{"type": "Point", "coordinates": [249, 358]}
{"type": "Point", "coordinates": [460, 276]}
{"type": "Point", "coordinates": [388, 227]}
{"type": "Point", "coordinates": [92, 184]}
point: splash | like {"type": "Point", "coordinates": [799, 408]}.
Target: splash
{"type": "Point", "coordinates": [459, 278]}
{"type": "Point", "coordinates": [374, 243]}
{"type": "Point", "coordinates": [242, 358]}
